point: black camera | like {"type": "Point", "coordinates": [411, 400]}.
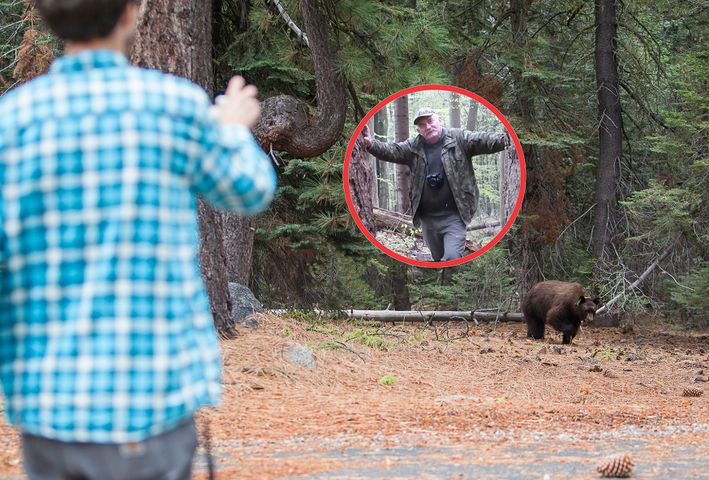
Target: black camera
{"type": "Point", "coordinates": [434, 180]}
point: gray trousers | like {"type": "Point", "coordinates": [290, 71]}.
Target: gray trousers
{"type": "Point", "coordinates": [444, 235]}
{"type": "Point", "coordinates": [167, 456]}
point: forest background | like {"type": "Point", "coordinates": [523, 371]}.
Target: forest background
{"type": "Point", "coordinates": [609, 101]}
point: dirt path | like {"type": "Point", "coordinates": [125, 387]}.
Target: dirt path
{"type": "Point", "coordinates": [477, 402]}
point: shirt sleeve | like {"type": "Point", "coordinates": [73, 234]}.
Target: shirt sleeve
{"type": "Point", "coordinates": [392, 152]}
{"type": "Point", "coordinates": [478, 143]}
{"type": "Point", "coordinates": [229, 170]}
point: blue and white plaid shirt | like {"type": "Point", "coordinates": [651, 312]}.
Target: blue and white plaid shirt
{"type": "Point", "coordinates": [106, 333]}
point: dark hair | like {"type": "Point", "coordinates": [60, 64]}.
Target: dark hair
{"type": "Point", "coordinates": [81, 20]}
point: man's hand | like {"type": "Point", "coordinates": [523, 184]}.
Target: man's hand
{"type": "Point", "coordinates": [238, 105]}
{"type": "Point", "coordinates": [366, 138]}
{"type": "Point", "coordinates": [508, 139]}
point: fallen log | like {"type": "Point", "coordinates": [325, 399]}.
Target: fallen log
{"type": "Point", "coordinates": [397, 221]}
{"type": "Point", "coordinates": [392, 220]}
{"type": "Point", "coordinates": [433, 315]}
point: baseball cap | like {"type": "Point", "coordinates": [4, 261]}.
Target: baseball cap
{"type": "Point", "coordinates": [423, 112]}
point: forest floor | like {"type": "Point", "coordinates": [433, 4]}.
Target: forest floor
{"type": "Point", "coordinates": [452, 401]}
{"type": "Point", "coordinates": [406, 243]}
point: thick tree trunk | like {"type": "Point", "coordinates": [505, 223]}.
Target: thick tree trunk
{"type": "Point", "coordinates": [455, 110]}
{"type": "Point", "coordinates": [403, 173]}
{"type": "Point", "coordinates": [213, 262]}
{"type": "Point", "coordinates": [399, 286]}
{"type": "Point", "coordinates": [175, 37]}
{"type": "Point", "coordinates": [381, 127]}
{"type": "Point", "coordinates": [238, 246]}
{"type": "Point", "coordinates": [610, 128]}
{"type": "Point", "coordinates": [361, 178]}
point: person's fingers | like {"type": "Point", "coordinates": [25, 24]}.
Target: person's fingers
{"type": "Point", "coordinates": [235, 84]}
{"type": "Point", "coordinates": [249, 91]}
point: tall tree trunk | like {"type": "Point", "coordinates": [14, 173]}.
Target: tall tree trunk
{"type": "Point", "coordinates": [611, 128]}
{"type": "Point", "coordinates": [472, 121]}
{"type": "Point", "coordinates": [176, 37]}
{"type": "Point", "coordinates": [403, 173]}
{"type": "Point", "coordinates": [372, 165]}
{"type": "Point", "coordinates": [523, 246]}
{"type": "Point", "coordinates": [398, 278]}
{"type": "Point", "coordinates": [381, 127]}
{"type": "Point", "coordinates": [361, 178]}
{"type": "Point", "coordinates": [398, 284]}
{"type": "Point", "coordinates": [238, 231]}
{"type": "Point", "coordinates": [238, 246]}
{"type": "Point", "coordinates": [455, 110]}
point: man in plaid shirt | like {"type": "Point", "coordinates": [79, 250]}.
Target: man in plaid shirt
{"type": "Point", "coordinates": [107, 343]}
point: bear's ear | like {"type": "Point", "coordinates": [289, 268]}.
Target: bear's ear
{"type": "Point", "coordinates": [581, 300]}
{"type": "Point", "coordinates": [597, 300]}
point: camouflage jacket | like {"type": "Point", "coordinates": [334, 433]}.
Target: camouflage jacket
{"type": "Point", "coordinates": [459, 146]}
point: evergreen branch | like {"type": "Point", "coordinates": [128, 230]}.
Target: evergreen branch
{"type": "Point", "coordinates": [232, 9]}
{"type": "Point", "coordinates": [498, 23]}
{"type": "Point", "coordinates": [547, 23]}
{"type": "Point", "coordinates": [628, 142]}
{"type": "Point", "coordinates": [571, 44]}
{"type": "Point", "coordinates": [556, 244]}
{"type": "Point", "coordinates": [289, 21]}
{"type": "Point", "coordinates": [659, 120]}
{"type": "Point", "coordinates": [630, 117]}
{"type": "Point", "coordinates": [656, 57]}
{"type": "Point", "coordinates": [652, 37]}
{"type": "Point", "coordinates": [556, 119]}
{"type": "Point", "coordinates": [574, 14]}
{"type": "Point", "coordinates": [378, 57]}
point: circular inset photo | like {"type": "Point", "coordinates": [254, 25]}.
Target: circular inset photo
{"type": "Point", "coordinates": [434, 176]}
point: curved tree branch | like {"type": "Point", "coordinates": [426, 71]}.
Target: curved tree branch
{"type": "Point", "coordinates": [285, 124]}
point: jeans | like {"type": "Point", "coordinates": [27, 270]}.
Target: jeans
{"type": "Point", "coordinates": [167, 456]}
{"type": "Point", "coordinates": [444, 235]}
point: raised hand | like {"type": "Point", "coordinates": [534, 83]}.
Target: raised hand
{"type": "Point", "coordinates": [238, 105]}
{"type": "Point", "coordinates": [366, 137]}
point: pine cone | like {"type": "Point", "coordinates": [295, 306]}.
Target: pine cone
{"type": "Point", "coordinates": [692, 392]}
{"type": "Point", "coordinates": [616, 467]}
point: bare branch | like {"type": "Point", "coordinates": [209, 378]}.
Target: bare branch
{"type": "Point", "coordinates": [289, 21]}
{"type": "Point", "coordinates": [668, 249]}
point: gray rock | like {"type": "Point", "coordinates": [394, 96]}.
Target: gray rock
{"type": "Point", "coordinates": [243, 305]}
{"type": "Point", "coordinates": [250, 323]}
{"type": "Point", "coordinates": [298, 354]}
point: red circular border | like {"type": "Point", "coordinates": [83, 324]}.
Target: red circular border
{"type": "Point", "coordinates": [490, 244]}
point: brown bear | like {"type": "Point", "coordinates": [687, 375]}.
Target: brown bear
{"type": "Point", "coordinates": [562, 305]}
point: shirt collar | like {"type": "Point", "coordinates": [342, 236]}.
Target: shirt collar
{"type": "Point", "coordinates": [88, 60]}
